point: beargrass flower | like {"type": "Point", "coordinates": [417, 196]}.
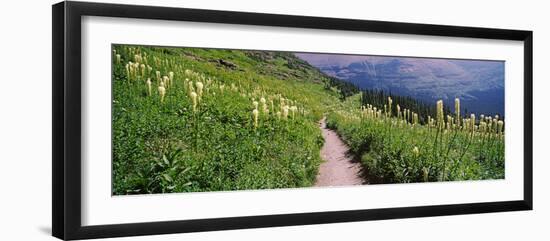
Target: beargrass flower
{"type": "Point", "coordinates": [457, 111]}
{"type": "Point", "coordinates": [264, 105]}
{"type": "Point", "coordinates": [440, 121]}
{"type": "Point", "coordinates": [142, 69]}
{"type": "Point", "coordinates": [389, 105]}
{"type": "Point", "coordinates": [199, 88]}
{"type": "Point", "coordinates": [425, 174]}
{"type": "Point", "coordinates": [416, 152]}
{"type": "Point", "coordinates": [191, 88]}
{"type": "Point", "coordinates": [398, 111]}
{"type": "Point", "coordinates": [149, 86]}
{"type": "Point", "coordinates": [171, 76]}
{"type": "Point", "coordinates": [166, 80]}
{"type": "Point", "coordinates": [473, 121]}
{"type": "Point", "coordinates": [162, 91]}
{"type": "Point", "coordinates": [293, 110]}
{"type": "Point", "coordinates": [482, 126]}
{"type": "Point", "coordinates": [500, 125]}
{"type": "Point", "coordinates": [255, 114]}
{"type": "Point", "coordinates": [194, 99]}
{"type": "Point", "coordinates": [128, 71]}
{"type": "Point", "coordinates": [137, 58]}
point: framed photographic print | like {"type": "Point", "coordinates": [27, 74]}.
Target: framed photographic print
{"type": "Point", "coordinates": [169, 120]}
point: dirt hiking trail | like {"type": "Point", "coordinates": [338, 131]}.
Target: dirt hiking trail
{"type": "Point", "coordinates": [338, 169]}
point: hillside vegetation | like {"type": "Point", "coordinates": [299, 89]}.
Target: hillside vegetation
{"type": "Point", "coordinates": [189, 119]}
{"type": "Point", "coordinates": [192, 120]}
{"type": "Point", "coordinates": [395, 147]}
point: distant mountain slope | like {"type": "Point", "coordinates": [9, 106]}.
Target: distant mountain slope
{"type": "Point", "coordinates": [479, 84]}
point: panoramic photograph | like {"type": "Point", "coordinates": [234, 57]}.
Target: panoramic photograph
{"type": "Point", "coordinates": [204, 120]}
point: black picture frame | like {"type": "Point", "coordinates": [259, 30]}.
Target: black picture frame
{"type": "Point", "coordinates": [66, 128]}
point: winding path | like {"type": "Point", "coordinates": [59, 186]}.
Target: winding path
{"type": "Point", "coordinates": [338, 168]}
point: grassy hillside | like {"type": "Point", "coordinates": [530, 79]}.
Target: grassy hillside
{"type": "Point", "coordinates": [170, 144]}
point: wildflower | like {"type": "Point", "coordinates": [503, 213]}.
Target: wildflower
{"type": "Point", "coordinates": [166, 81]}
{"type": "Point", "coordinates": [500, 125]}
{"type": "Point", "coordinates": [264, 105]}
{"type": "Point", "coordinates": [149, 86]}
{"type": "Point", "coordinates": [191, 88]}
{"type": "Point", "coordinates": [128, 71]}
{"type": "Point", "coordinates": [255, 104]}
{"type": "Point", "coordinates": [425, 174]}
{"type": "Point", "coordinates": [457, 111]}
{"type": "Point", "coordinates": [158, 75]}
{"type": "Point", "coordinates": [137, 58]}
{"type": "Point", "coordinates": [489, 121]}
{"type": "Point", "coordinates": [285, 112]}
{"type": "Point", "coordinates": [389, 105]}
{"type": "Point", "coordinates": [440, 121]}
{"type": "Point", "coordinates": [278, 115]}
{"type": "Point", "coordinates": [398, 111]}
{"type": "Point", "coordinates": [221, 88]}
{"type": "Point", "coordinates": [162, 91]}
{"type": "Point", "coordinates": [416, 152]}
{"type": "Point", "coordinates": [142, 69]}
{"type": "Point", "coordinates": [473, 121]}
{"type": "Point", "coordinates": [171, 76]}
{"type": "Point", "coordinates": [117, 58]}
{"type": "Point", "coordinates": [194, 98]}
{"type": "Point", "coordinates": [255, 113]}
{"type": "Point", "coordinates": [199, 89]}
{"type": "Point", "coordinates": [482, 127]}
